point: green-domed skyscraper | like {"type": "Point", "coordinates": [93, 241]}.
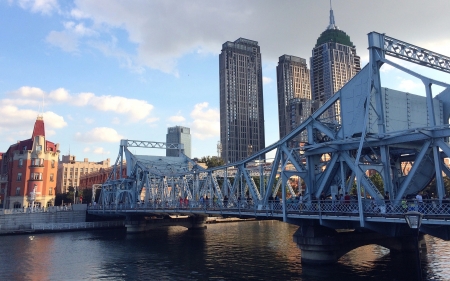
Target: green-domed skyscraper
{"type": "Point", "coordinates": [333, 63]}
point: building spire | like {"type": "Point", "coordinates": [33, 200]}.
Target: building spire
{"type": "Point", "coordinates": [332, 23]}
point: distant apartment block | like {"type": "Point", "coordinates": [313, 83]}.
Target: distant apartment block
{"type": "Point", "coordinates": [181, 135]}
{"type": "Point", "coordinates": [70, 171]}
{"type": "Point", "coordinates": [241, 100]}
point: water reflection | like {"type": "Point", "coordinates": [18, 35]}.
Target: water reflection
{"type": "Point", "coordinates": [259, 250]}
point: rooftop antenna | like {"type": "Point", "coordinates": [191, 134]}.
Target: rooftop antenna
{"type": "Point", "coordinates": [41, 109]}
{"type": "Point", "coordinates": [332, 23]}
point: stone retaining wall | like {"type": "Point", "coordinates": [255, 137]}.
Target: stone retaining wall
{"type": "Point", "coordinates": [23, 221]}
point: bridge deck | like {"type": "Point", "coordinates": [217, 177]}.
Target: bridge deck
{"type": "Point", "coordinates": [435, 213]}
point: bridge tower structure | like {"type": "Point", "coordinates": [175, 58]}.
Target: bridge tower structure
{"type": "Point", "coordinates": [379, 130]}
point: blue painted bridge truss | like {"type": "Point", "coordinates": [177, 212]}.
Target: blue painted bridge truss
{"type": "Point", "coordinates": [402, 137]}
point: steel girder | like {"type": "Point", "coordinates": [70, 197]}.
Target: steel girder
{"type": "Point", "coordinates": [336, 154]}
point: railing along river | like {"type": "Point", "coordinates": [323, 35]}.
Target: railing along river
{"type": "Point", "coordinates": [431, 208]}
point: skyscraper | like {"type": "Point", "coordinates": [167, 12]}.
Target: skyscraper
{"type": "Point", "coordinates": [179, 134]}
{"type": "Point", "coordinates": [241, 100]}
{"type": "Point", "coordinates": [294, 94]}
{"type": "Point", "coordinates": [333, 63]}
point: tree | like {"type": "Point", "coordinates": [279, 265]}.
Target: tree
{"type": "Point", "coordinates": [432, 186]}
{"type": "Point", "coordinates": [377, 180]}
{"type": "Point", "coordinates": [212, 161]}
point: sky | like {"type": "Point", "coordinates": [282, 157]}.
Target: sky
{"type": "Point", "coordinates": [105, 70]}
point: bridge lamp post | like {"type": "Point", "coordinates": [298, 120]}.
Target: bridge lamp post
{"type": "Point", "coordinates": [414, 220]}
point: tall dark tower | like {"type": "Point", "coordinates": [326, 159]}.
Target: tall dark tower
{"type": "Point", "coordinates": [241, 100]}
{"type": "Point", "coordinates": [294, 94]}
{"type": "Point", "coordinates": [333, 63]}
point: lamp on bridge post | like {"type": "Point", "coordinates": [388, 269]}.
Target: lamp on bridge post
{"type": "Point", "coordinates": [414, 220]}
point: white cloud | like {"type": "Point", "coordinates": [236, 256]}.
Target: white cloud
{"type": "Point", "coordinates": [59, 95]}
{"type": "Point", "coordinates": [64, 40]}
{"type": "Point", "coordinates": [49, 133]}
{"type": "Point", "coordinates": [87, 149]}
{"type": "Point", "coordinates": [267, 80]}
{"type": "Point", "coordinates": [136, 110]}
{"type": "Point", "coordinates": [13, 117]}
{"type": "Point", "coordinates": [28, 92]}
{"type": "Point", "coordinates": [386, 68]}
{"type": "Point", "coordinates": [206, 121]}
{"type": "Point", "coordinates": [79, 29]}
{"type": "Point", "coordinates": [177, 118]}
{"type": "Point", "coordinates": [89, 120]}
{"type": "Point", "coordinates": [152, 121]}
{"type": "Point", "coordinates": [78, 14]}
{"type": "Point", "coordinates": [408, 85]}
{"type": "Point", "coordinates": [99, 134]}
{"type": "Point", "coordinates": [126, 60]}
{"type": "Point", "coordinates": [115, 121]}
{"type": "Point", "coordinates": [439, 46]}
{"type": "Point", "coordinates": [39, 6]}
{"type": "Point", "coordinates": [100, 150]}
{"type": "Point", "coordinates": [53, 120]}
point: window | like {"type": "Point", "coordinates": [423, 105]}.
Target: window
{"type": "Point", "coordinates": [19, 176]}
{"type": "Point", "coordinates": [18, 191]}
{"type": "Point", "coordinates": [20, 162]}
{"type": "Point", "coordinates": [50, 191]}
{"type": "Point", "coordinates": [81, 170]}
{"type": "Point", "coordinates": [37, 162]}
{"type": "Point", "coordinates": [52, 177]}
{"type": "Point", "coordinates": [36, 176]}
{"type": "Point", "coordinates": [17, 205]}
{"type": "Point", "coordinates": [38, 147]}
{"type": "Point", "coordinates": [53, 163]}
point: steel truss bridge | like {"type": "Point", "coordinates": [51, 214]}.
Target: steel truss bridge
{"type": "Point", "coordinates": [403, 137]}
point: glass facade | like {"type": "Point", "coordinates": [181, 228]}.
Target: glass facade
{"type": "Point", "coordinates": [241, 100]}
{"type": "Point", "coordinates": [294, 94]}
{"type": "Point", "coordinates": [182, 135]}
{"type": "Point", "coordinates": [333, 63]}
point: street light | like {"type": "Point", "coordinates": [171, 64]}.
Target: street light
{"type": "Point", "coordinates": [414, 220]}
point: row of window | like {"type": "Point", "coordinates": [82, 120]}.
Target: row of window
{"type": "Point", "coordinates": [37, 162]}
{"type": "Point", "coordinates": [82, 170]}
{"type": "Point", "coordinates": [35, 176]}
{"type": "Point", "coordinates": [50, 191]}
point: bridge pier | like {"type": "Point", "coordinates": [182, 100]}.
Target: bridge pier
{"type": "Point", "coordinates": [197, 222]}
{"type": "Point", "coordinates": [322, 245]}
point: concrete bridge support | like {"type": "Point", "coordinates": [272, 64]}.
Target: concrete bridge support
{"type": "Point", "coordinates": [322, 245]}
{"type": "Point", "coordinates": [136, 224]}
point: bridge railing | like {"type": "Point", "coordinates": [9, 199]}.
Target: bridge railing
{"type": "Point", "coordinates": [430, 207]}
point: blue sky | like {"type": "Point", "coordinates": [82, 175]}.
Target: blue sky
{"type": "Point", "coordinates": [107, 70]}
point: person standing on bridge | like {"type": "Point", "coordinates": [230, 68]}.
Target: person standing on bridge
{"type": "Point", "coordinates": [387, 202]}
{"type": "Point", "coordinates": [419, 200]}
{"type": "Point", "coordinates": [347, 198]}
{"type": "Point", "coordinates": [202, 202]}
{"type": "Point", "coordinates": [225, 201]}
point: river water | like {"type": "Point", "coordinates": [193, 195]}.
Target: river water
{"type": "Point", "coordinates": [256, 250]}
